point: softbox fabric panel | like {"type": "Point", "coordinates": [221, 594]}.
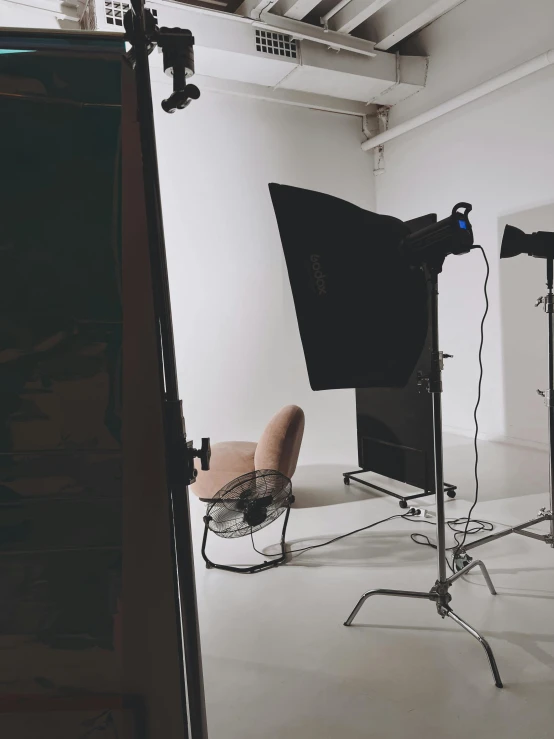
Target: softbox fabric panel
{"type": "Point", "coordinates": [361, 307]}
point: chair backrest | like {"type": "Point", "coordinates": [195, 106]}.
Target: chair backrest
{"type": "Point", "coordinates": [279, 445]}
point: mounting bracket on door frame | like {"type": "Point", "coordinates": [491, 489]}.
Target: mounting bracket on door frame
{"type": "Point", "coordinates": [373, 125]}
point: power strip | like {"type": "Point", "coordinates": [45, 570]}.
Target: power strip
{"type": "Point", "coordinates": [422, 513]}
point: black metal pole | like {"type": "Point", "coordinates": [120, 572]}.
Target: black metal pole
{"type": "Point", "coordinates": [549, 307]}
{"type": "Point", "coordinates": [192, 685]}
{"type": "Point", "coordinates": [435, 389]}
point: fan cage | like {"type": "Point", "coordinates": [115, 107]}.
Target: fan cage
{"type": "Point", "coordinates": [267, 493]}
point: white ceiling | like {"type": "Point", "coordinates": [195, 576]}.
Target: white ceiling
{"type": "Point", "coordinates": [385, 22]}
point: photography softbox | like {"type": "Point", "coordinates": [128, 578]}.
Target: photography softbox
{"type": "Point", "coordinates": [361, 306]}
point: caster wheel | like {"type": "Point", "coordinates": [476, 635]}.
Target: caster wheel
{"type": "Point", "coordinates": [403, 504]}
{"type": "Point", "coordinates": [451, 493]}
{"type": "Point", "coordinates": [347, 481]}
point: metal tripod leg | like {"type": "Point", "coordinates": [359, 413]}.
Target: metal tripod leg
{"type": "Point", "coordinates": [381, 591]}
{"type": "Point", "coordinates": [443, 609]}
{"type": "Point", "coordinates": [469, 567]}
{"type": "Point", "coordinates": [484, 643]}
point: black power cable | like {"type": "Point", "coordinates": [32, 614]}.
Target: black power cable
{"type": "Point", "coordinates": [476, 499]}
{"type": "Point", "coordinates": [405, 516]}
{"type": "Point", "coordinates": [465, 521]}
{"type": "Point", "coordinates": [477, 527]}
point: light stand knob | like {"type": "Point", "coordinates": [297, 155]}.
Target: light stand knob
{"type": "Point", "coordinates": [179, 99]}
{"type": "Point", "coordinates": [204, 454]}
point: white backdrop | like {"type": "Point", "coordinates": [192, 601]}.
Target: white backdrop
{"type": "Point", "coordinates": [238, 348]}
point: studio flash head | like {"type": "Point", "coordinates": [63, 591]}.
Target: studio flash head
{"type": "Point", "coordinates": [433, 243]}
{"type": "Point", "coordinates": [515, 241]}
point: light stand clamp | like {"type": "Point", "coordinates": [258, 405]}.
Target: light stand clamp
{"type": "Point", "coordinates": [177, 46]}
{"type": "Point", "coordinates": [546, 302]}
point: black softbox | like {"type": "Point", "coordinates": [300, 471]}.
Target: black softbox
{"type": "Point", "coordinates": [361, 306]}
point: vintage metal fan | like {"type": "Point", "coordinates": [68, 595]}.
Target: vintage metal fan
{"type": "Point", "coordinates": [245, 505]}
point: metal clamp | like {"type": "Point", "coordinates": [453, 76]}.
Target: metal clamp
{"type": "Point", "coordinates": [547, 302]}
{"type": "Point", "coordinates": [442, 357]}
{"type": "Point", "coordinates": [548, 399]}
{"type": "Point", "coordinates": [203, 454]}
{"type": "Point", "coordinates": [442, 597]}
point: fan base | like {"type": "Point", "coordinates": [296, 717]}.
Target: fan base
{"type": "Point", "coordinates": [248, 569]}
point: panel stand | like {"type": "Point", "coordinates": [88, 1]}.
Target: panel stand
{"type": "Point", "coordinates": [439, 593]}
{"type": "Point", "coordinates": [449, 489]}
{"type": "Point", "coordinates": [544, 514]}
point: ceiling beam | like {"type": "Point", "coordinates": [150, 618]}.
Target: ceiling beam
{"type": "Point", "coordinates": [355, 12]}
{"type": "Point", "coordinates": [297, 9]}
{"type": "Point", "coordinates": [402, 19]}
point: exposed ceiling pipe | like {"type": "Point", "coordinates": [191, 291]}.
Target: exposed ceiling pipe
{"type": "Point", "coordinates": [501, 80]}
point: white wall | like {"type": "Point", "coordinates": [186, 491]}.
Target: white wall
{"type": "Point", "coordinates": [238, 347]}
{"type": "Point", "coordinates": [13, 14]}
{"type": "Point", "coordinates": [498, 154]}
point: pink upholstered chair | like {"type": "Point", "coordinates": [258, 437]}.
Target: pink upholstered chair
{"type": "Point", "coordinates": [272, 461]}
{"type": "Point", "coordinates": [277, 449]}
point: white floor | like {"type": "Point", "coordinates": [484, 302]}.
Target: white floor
{"type": "Point", "coordinates": [279, 663]}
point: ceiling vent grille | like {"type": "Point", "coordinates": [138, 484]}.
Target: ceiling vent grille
{"type": "Point", "coordinates": [101, 13]}
{"type": "Point", "coordinates": [115, 10]}
{"type": "Point", "coordinates": [277, 44]}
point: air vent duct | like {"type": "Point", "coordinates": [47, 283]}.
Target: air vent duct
{"type": "Point", "coordinates": [277, 44]}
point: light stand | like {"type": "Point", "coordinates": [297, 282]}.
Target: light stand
{"type": "Point", "coordinates": [540, 244]}
{"type": "Point", "coordinates": [439, 593]}
{"type": "Point", "coordinates": [143, 35]}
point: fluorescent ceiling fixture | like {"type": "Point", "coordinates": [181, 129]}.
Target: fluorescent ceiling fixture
{"type": "Point", "coordinates": [16, 51]}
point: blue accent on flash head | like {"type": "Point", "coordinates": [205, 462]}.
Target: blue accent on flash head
{"type": "Point", "coordinates": [463, 224]}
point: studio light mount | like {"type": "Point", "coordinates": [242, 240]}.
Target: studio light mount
{"type": "Point", "coordinates": [539, 244]}
{"type": "Point", "coordinates": [451, 235]}
{"type": "Point", "coordinates": [177, 47]}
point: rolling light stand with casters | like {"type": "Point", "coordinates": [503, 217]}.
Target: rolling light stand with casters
{"type": "Point", "coordinates": [403, 500]}
{"type": "Point", "coordinates": [439, 594]}
{"type": "Point", "coordinates": [540, 244]}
